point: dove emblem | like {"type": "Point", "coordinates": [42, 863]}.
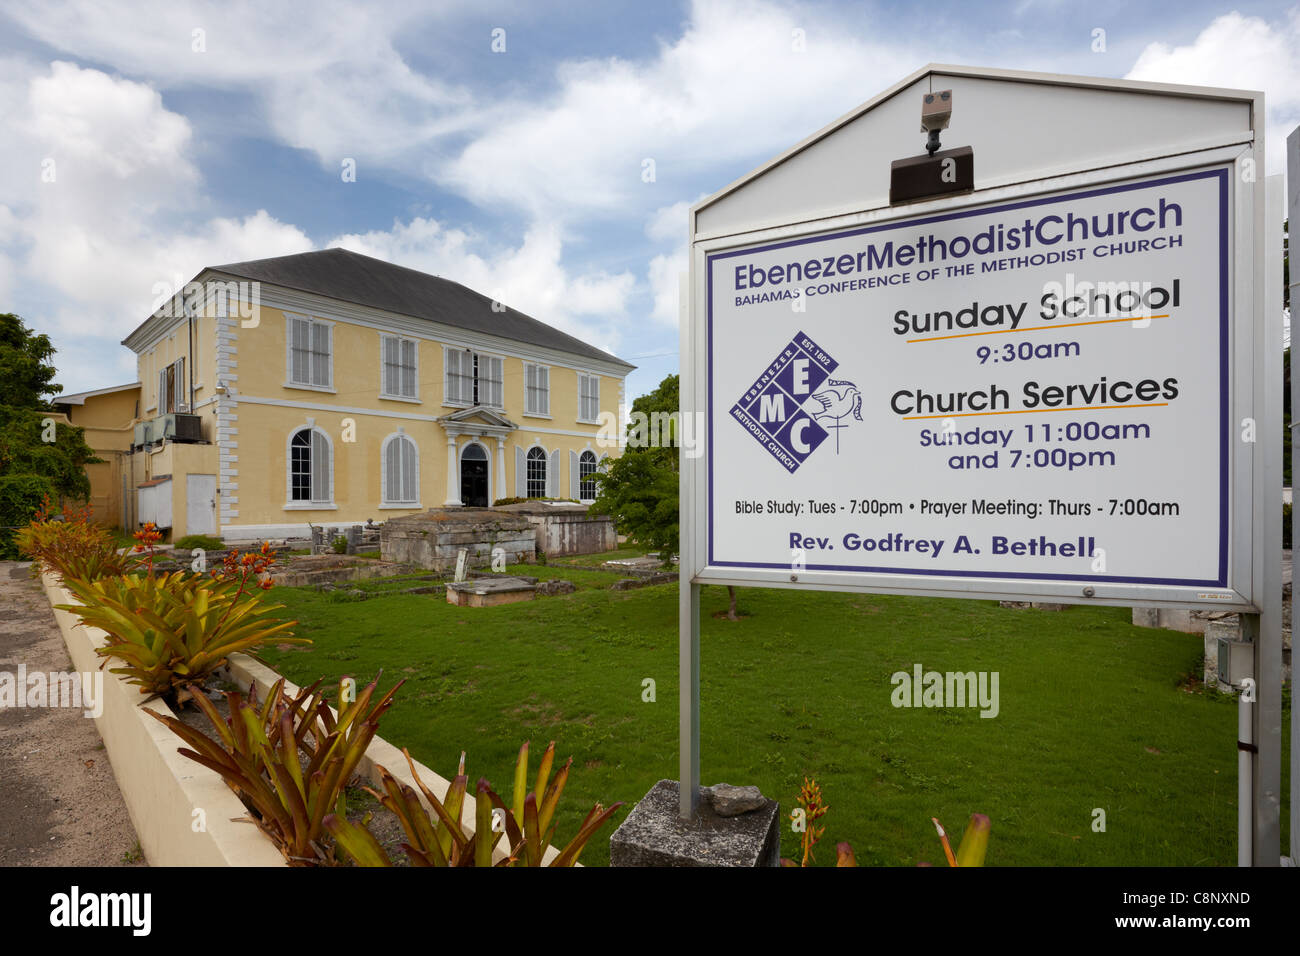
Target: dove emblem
{"type": "Point", "coordinates": [837, 400]}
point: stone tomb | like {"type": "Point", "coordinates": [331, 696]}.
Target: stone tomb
{"type": "Point", "coordinates": [565, 528]}
{"type": "Point", "coordinates": [433, 539]}
{"type": "Point", "coordinates": [491, 591]}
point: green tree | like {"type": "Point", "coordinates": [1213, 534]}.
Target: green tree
{"type": "Point", "coordinates": [640, 488]}
{"type": "Point", "coordinates": [39, 456]}
{"type": "Point", "coordinates": [26, 377]}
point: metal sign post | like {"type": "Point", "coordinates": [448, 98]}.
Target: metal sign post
{"type": "Point", "coordinates": [1293, 212]}
{"type": "Point", "coordinates": [1059, 385]}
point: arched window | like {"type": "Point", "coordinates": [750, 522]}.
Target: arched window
{"type": "Point", "coordinates": [309, 467]}
{"type": "Point", "coordinates": [401, 470]}
{"type": "Point", "coordinates": [536, 473]}
{"type": "Point", "coordinates": [586, 475]}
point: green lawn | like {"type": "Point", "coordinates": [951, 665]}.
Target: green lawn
{"type": "Point", "coordinates": [1092, 714]}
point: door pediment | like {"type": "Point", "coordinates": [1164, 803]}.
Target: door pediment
{"type": "Point", "coordinates": [477, 419]}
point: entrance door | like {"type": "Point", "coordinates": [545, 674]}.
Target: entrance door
{"type": "Point", "coordinates": [200, 504]}
{"type": "Point", "coordinates": [474, 477]}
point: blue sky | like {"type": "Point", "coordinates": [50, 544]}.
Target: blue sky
{"type": "Point", "coordinates": [518, 173]}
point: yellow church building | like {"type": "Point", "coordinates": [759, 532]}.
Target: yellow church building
{"type": "Point", "coordinates": [328, 388]}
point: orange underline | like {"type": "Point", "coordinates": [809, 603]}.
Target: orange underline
{"type": "Point", "coordinates": [1035, 411]}
{"type": "Point", "coordinates": [1037, 328]}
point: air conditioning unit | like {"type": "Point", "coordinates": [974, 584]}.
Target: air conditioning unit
{"type": "Point", "coordinates": [146, 433]}
{"type": "Point", "coordinates": [182, 428]}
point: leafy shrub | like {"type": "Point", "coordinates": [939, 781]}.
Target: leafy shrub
{"type": "Point", "coordinates": [289, 760]}
{"type": "Point", "coordinates": [21, 496]}
{"type": "Point", "coordinates": [204, 541]}
{"type": "Point", "coordinates": [340, 545]}
{"type": "Point", "coordinates": [519, 501]}
{"type": "Point", "coordinates": [69, 546]}
{"type": "Point", "coordinates": [438, 840]}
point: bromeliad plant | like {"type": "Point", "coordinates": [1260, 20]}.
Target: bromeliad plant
{"type": "Point", "coordinates": [174, 629]}
{"type": "Point", "coordinates": [68, 545]}
{"type": "Point", "coordinates": [974, 843]}
{"type": "Point", "coordinates": [288, 759]}
{"type": "Point", "coordinates": [439, 840]}
{"type": "Point", "coordinates": [811, 809]}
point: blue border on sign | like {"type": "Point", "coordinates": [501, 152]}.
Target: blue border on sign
{"type": "Point", "coordinates": [1222, 175]}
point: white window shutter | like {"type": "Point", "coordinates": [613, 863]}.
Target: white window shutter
{"type": "Point", "coordinates": [408, 368]}
{"type": "Point", "coordinates": [389, 384]}
{"type": "Point", "coordinates": [553, 475]}
{"type": "Point", "coordinates": [498, 383]}
{"type": "Point", "coordinates": [321, 372]}
{"type": "Point", "coordinates": [162, 392]}
{"type": "Point", "coordinates": [544, 383]}
{"type": "Point", "coordinates": [320, 467]}
{"type": "Point", "coordinates": [459, 386]}
{"type": "Point", "coordinates": [409, 478]}
{"type": "Point", "coordinates": [392, 470]}
{"type": "Point", "coordinates": [299, 351]}
{"type": "Point", "coordinates": [521, 473]}
{"type": "Point", "coordinates": [574, 478]}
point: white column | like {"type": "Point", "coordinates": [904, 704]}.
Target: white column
{"type": "Point", "coordinates": [500, 489]}
{"type": "Point", "coordinates": [453, 474]}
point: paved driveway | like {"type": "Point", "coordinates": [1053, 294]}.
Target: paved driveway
{"type": "Point", "coordinates": [59, 802]}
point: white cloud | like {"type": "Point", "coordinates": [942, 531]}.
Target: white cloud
{"type": "Point", "coordinates": [670, 223]}
{"type": "Point", "coordinates": [732, 87]}
{"type": "Point", "coordinates": [328, 75]}
{"type": "Point", "coordinates": [530, 278]}
{"type": "Point", "coordinates": [1239, 52]}
{"type": "Point", "coordinates": [664, 276]}
{"type": "Point", "coordinates": [86, 240]}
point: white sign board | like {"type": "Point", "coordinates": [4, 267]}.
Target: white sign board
{"type": "Point", "coordinates": [1030, 396]}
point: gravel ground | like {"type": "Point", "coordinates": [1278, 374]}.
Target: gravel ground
{"type": "Point", "coordinates": [59, 801]}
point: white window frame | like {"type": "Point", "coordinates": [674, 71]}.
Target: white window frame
{"type": "Point", "coordinates": [595, 469]}
{"type": "Point", "coordinates": [384, 391]}
{"type": "Point", "coordinates": [314, 505]}
{"type": "Point", "coordinates": [387, 502]}
{"type": "Point", "coordinates": [530, 410]}
{"type": "Point", "coordinates": [481, 356]}
{"type": "Point", "coordinates": [169, 402]}
{"type": "Point", "coordinates": [546, 472]}
{"type": "Point", "coordinates": [312, 321]}
{"type": "Point", "coordinates": [583, 379]}
{"type": "Point", "coordinates": [475, 358]}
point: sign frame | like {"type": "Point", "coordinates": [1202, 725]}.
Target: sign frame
{"type": "Point", "coordinates": [1245, 365]}
{"type": "Point", "coordinates": [1162, 141]}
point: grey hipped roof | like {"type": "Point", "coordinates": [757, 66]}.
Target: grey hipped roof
{"type": "Point", "coordinates": [351, 277]}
